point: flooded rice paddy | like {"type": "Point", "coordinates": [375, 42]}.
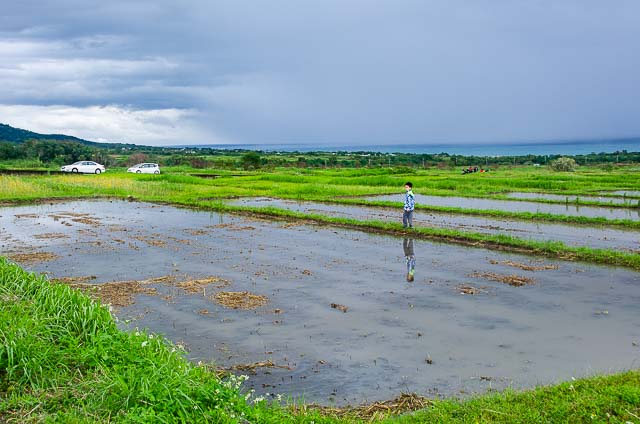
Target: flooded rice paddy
{"type": "Point", "coordinates": [572, 235]}
{"type": "Point", "coordinates": [328, 314]}
{"type": "Point", "coordinates": [517, 206]}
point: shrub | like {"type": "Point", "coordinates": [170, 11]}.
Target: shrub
{"type": "Point", "coordinates": [564, 164]}
{"type": "Point", "coordinates": [251, 160]}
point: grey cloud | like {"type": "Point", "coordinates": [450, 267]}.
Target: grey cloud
{"type": "Point", "coordinates": [338, 71]}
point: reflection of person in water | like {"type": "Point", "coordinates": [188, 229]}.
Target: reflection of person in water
{"type": "Point", "coordinates": [407, 246]}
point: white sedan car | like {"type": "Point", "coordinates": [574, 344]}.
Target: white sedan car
{"type": "Point", "coordinates": [84, 167]}
{"type": "Point", "coordinates": [145, 168]}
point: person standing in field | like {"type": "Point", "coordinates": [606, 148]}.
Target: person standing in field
{"type": "Point", "coordinates": [409, 206]}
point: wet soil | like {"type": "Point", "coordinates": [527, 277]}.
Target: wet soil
{"type": "Point", "coordinates": [512, 280]}
{"type": "Point", "coordinates": [632, 214]}
{"type": "Point", "coordinates": [446, 333]}
{"type": "Point", "coordinates": [31, 257]}
{"type": "Point", "coordinates": [572, 235]}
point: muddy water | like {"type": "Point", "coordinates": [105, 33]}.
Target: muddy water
{"type": "Point", "coordinates": [517, 206]}
{"type": "Point", "coordinates": [395, 336]}
{"type": "Point", "coordinates": [596, 237]}
{"type": "Point", "coordinates": [572, 198]}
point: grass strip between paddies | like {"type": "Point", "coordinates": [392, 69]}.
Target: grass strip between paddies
{"type": "Point", "coordinates": [554, 249]}
{"type": "Point", "coordinates": [522, 216]}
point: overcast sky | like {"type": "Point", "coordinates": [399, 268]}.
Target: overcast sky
{"type": "Point", "coordinates": [163, 72]}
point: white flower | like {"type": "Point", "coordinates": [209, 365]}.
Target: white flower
{"type": "Point", "coordinates": [144, 343]}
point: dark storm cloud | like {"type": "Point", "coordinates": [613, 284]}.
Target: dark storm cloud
{"type": "Point", "coordinates": [337, 71]}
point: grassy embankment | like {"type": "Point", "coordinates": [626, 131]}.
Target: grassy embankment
{"type": "Point", "coordinates": [62, 359]}
{"type": "Point", "coordinates": [206, 194]}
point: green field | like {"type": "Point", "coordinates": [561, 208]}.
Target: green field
{"type": "Point", "coordinates": [62, 358]}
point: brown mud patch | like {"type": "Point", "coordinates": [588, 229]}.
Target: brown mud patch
{"type": "Point", "coordinates": [26, 215]}
{"type": "Point", "coordinates": [197, 232]}
{"type": "Point", "coordinates": [74, 280]}
{"type": "Point", "coordinates": [32, 257]}
{"type": "Point", "coordinates": [235, 227]}
{"type": "Point", "coordinates": [88, 232]}
{"type": "Point", "coordinates": [198, 286]}
{"type": "Point", "coordinates": [117, 293]}
{"type": "Point", "coordinates": [181, 241]}
{"type": "Point", "coordinates": [251, 368]}
{"type": "Point", "coordinates": [117, 228]}
{"type": "Point", "coordinates": [240, 300]}
{"type": "Point", "coordinates": [81, 218]}
{"type": "Point", "coordinates": [340, 307]}
{"type": "Point", "coordinates": [122, 293]}
{"type": "Point", "coordinates": [522, 266]}
{"type": "Point", "coordinates": [468, 289]}
{"type": "Point", "coordinates": [50, 236]}
{"type": "Point", "coordinates": [406, 402]}
{"type": "Point", "coordinates": [152, 240]}
{"type": "Point", "coordinates": [512, 280]}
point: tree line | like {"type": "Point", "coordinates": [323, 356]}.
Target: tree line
{"type": "Point", "coordinates": [56, 152]}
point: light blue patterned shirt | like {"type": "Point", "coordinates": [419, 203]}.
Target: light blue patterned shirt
{"type": "Point", "coordinates": [409, 201]}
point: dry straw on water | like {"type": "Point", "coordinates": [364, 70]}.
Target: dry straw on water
{"type": "Point", "coordinates": [240, 300]}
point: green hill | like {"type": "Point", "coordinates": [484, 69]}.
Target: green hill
{"type": "Point", "coordinates": [18, 136]}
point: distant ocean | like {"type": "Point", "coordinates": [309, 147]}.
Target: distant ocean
{"type": "Point", "coordinates": [516, 149]}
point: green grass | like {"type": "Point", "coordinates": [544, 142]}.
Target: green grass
{"type": "Point", "coordinates": [333, 186]}
{"type": "Point", "coordinates": [611, 399]}
{"type": "Point", "coordinates": [63, 359]}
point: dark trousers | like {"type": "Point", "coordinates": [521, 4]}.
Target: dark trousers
{"type": "Point", "coordinates": [407, 219]}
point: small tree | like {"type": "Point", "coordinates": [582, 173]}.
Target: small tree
{"type": "Point", "coordinates": [251, 160]}
{"type": "Point", "coordinates": [137, 158]}
{"type": "Point", "coordinates": [564, 164]}
{"type": "Point", "coordinates": [199, 163]}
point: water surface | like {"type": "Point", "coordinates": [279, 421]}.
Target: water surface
{"type": "Point", "coordinates": [423, 337]}
{"type": "Point", "coordinates": [572, 235]}
{"type": "Point", "coordinates": [517, 206]}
